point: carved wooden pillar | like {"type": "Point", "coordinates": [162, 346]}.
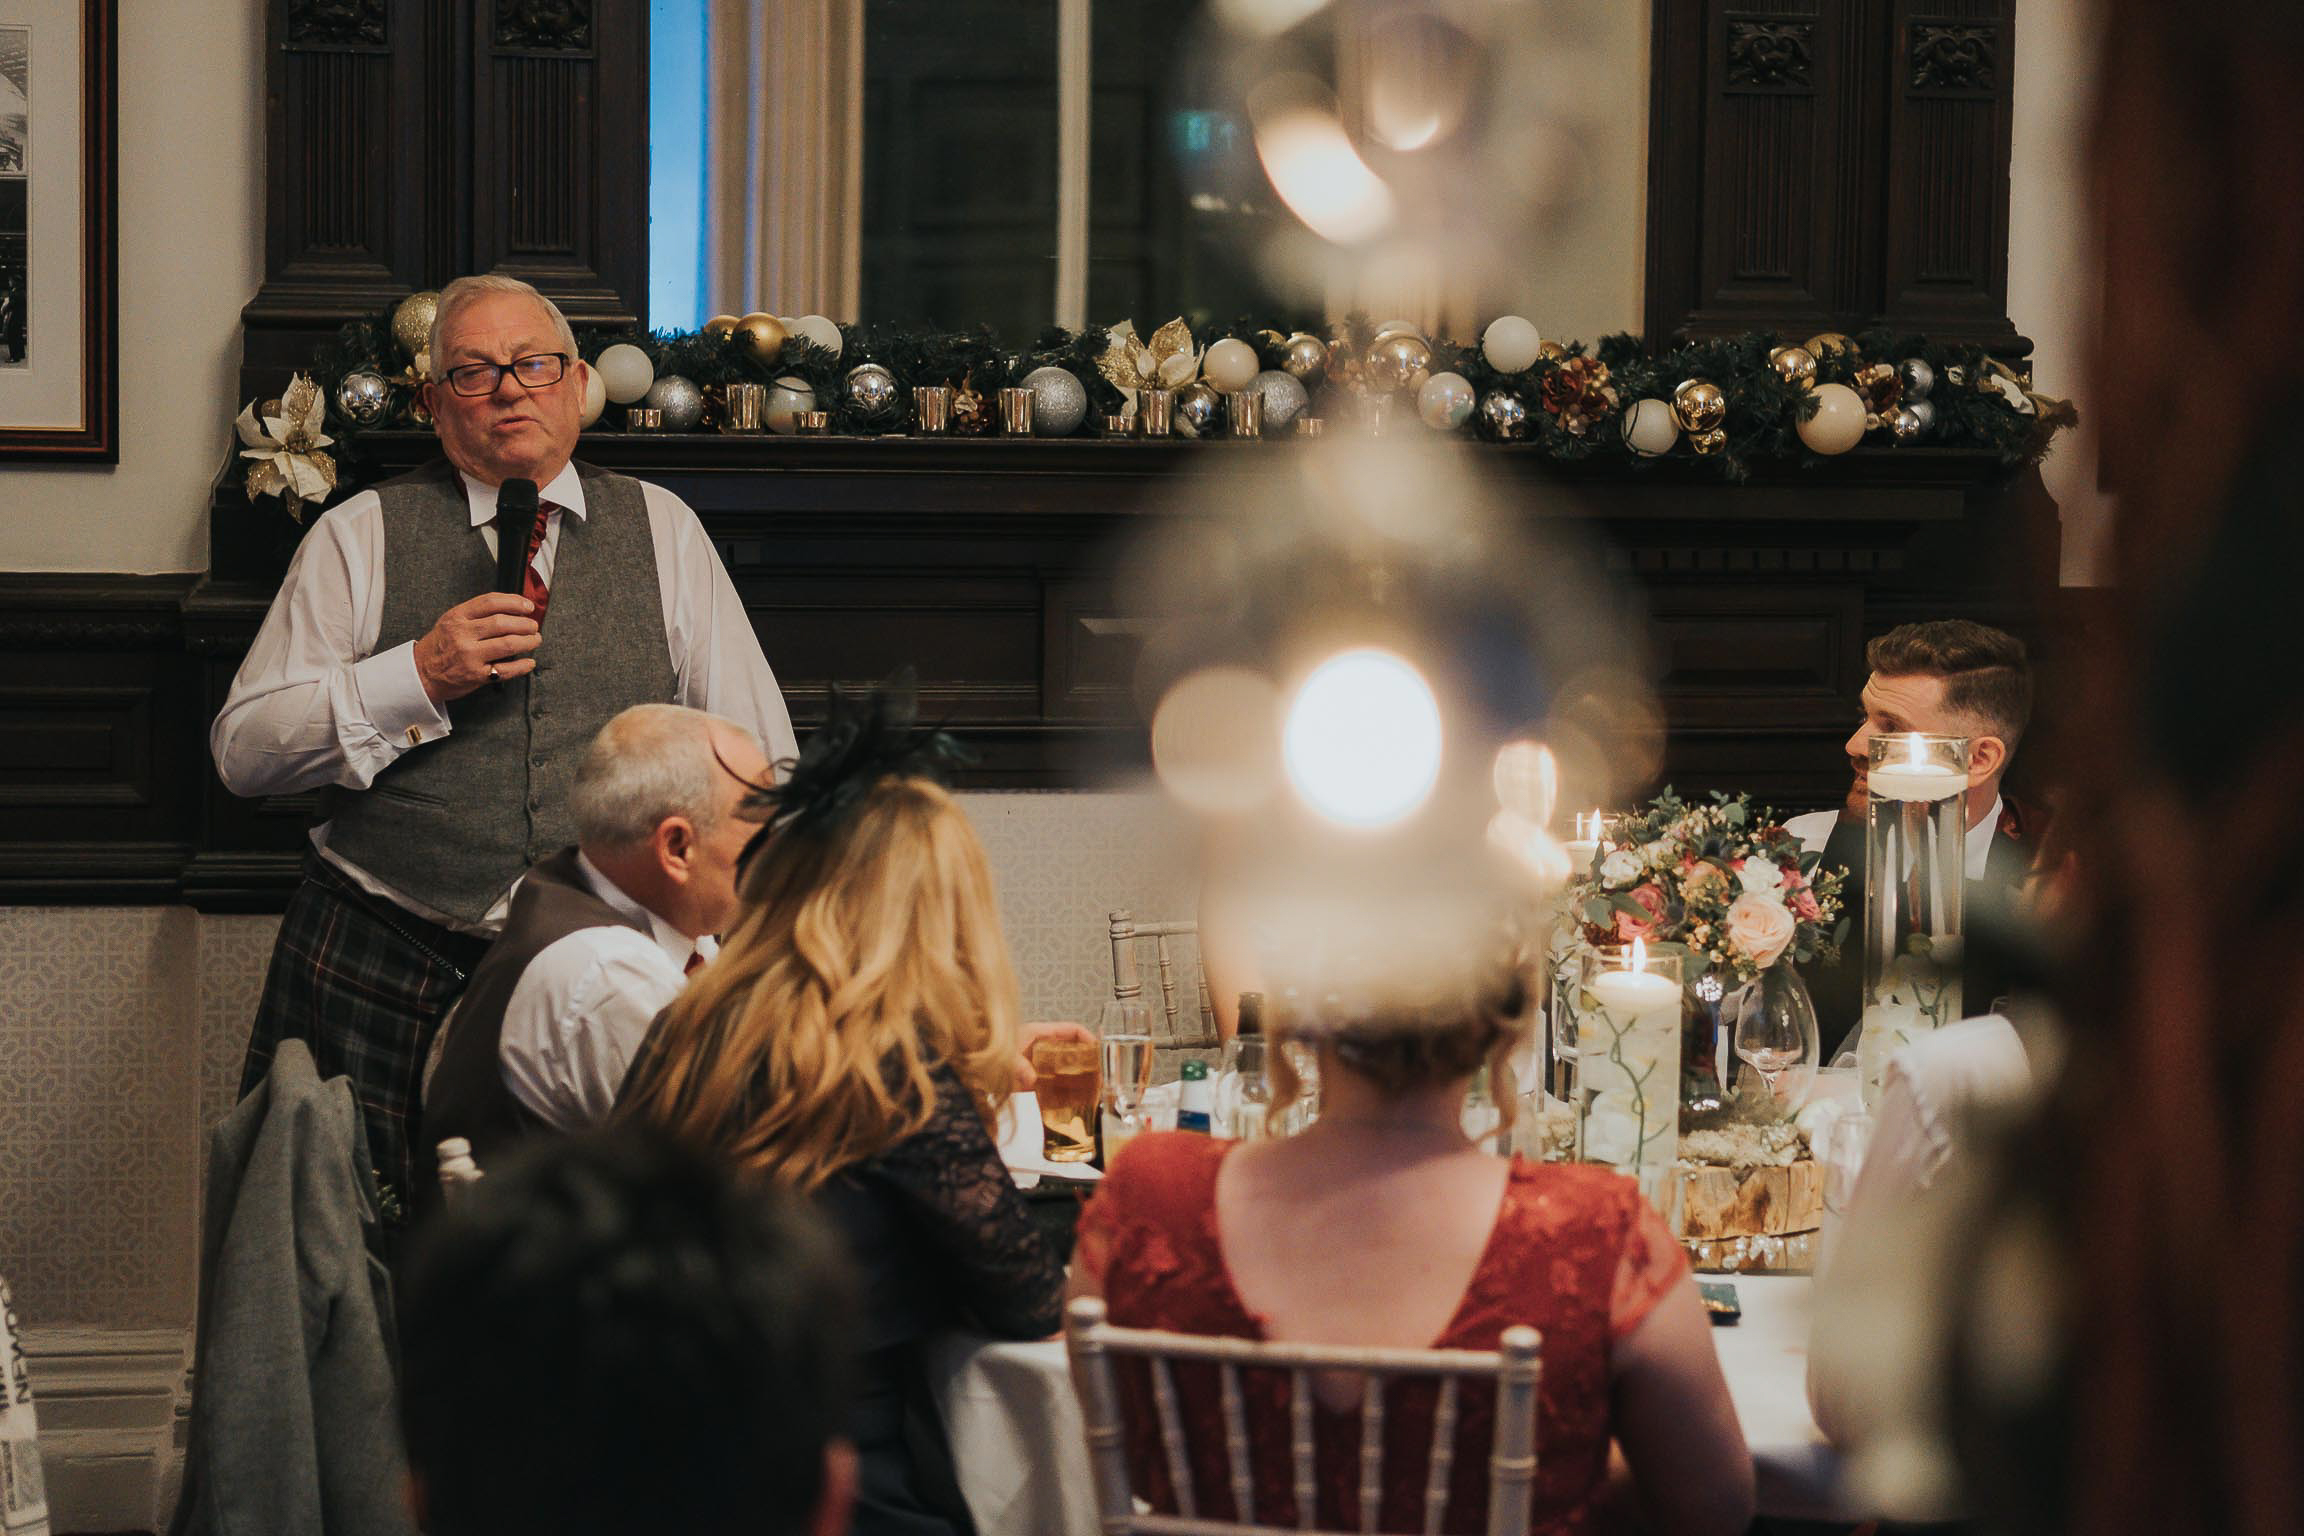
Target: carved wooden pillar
{"type": "Point", "coordinates": [1828, 165]}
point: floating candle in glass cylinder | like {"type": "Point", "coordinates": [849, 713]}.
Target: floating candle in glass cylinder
{"type": "Point", "coordinates": [1593, 835]}
{"type": "Point", "coordinates": [1628, 1062]}
{"type": "Point", "coordinates": [1915, 858]}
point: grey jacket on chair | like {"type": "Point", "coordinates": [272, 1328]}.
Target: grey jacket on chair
{"type": "Point", "coordinates": [294, 1427]}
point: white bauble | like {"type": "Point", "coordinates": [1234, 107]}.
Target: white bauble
{"type": "Point", "coordinates": [817, 331]}
{"type": "Point", "coordinates": [595, 395]}
{"type": "Point", "coordinates": [787, 398]}
{"type": "Point", "coordinates": [1445, 401]}
{"type": "Point", "coordinates": [1230, 365]}
{"type": "Point", "coordinates": [1650, 428]}
{"type": "Point", "coordinates": [1838, 424]}
{"type": "Point", "coordinates": [626, 372]}
{"type": "Point", "coordinates": [1284, 397]}
{"type": "Point", "coordinates": [1511, 344]}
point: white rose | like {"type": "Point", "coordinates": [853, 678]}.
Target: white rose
{"type": "Point", "coordinates": [1760, 928]}
{"type": "Point", "coordinates": [1659, 854]}
{"type": "Point", "coordinates": [1762, 878]}
{"type": "Point", "coordinates": [1621, 867]}
{"type": "Point", "coordinates": [1611, 1135]}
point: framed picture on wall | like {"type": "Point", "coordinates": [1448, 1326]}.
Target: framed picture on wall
{"type": "Point", "coordinates": [59, 299]}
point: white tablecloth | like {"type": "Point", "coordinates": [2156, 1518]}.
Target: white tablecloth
{"type": "Point", "coordinates": [1016, 1435]}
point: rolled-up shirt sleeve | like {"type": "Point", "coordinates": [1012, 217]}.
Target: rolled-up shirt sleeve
{"type": "Point", "coordinates": [716, 655]}
{"type": "Point", "coordinates": [310, 705]}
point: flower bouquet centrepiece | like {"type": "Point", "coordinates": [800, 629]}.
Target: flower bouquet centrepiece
{"type": "Point", "coordinates": [1723, 885]}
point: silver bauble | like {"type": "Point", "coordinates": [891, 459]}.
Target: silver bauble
{"type": "Point", "coordinates": [1926, 411]}
{"type": "Point", "coordinates": [363, 397]}
{"type": "Point", "coordinates": [1919, 378]}
{"type": "Point", "coordinates": [1284, 397]}
{"type": "Point", "coordinates": [1398, 360]}
{"type": "Point", "coordinates": [1059, 401]}
{"type": "Point", "coordinates": [872, 389]}
{"type": "Point", "coordinates": [1905, 425]}
{"type": "Point", "coordinates": [1306, 357]}
{"type": "Point", "coordinates": [1504, 416]}
{"type": "Point", "coordinates": [681, 402]}
{"type": "Point", "coordinates": [1199, 412]}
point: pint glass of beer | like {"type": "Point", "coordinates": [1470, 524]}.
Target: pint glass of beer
{"type": "Point", "coordinates": [1068, 1092]}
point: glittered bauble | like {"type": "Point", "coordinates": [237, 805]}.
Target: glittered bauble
{"type": "Point", "coordinates": [817, 332]}
{"type": "Point", "coordinates": [1838, 424]}
{"type": "Point", "coordinates": [1306, 358]}
{"type": "Point", "coordinates": [1284, 397]}
{"type": "Point", "coordinates": [871, 388]}
{"type": "Point", "coordinates": [721, 327]}
{"type": "Point", "coordinates": [363, 397]}
{"type": "Point", "coordinates": [1059, 401]}
{"type": "Point", "coordinates": [412, 321]}
{"type": "Point", "coordinates": [680, 400]}
{"type": "Point", "coordinates": [1918, 377]}
{"type": "Point", "coordinates": [1445, 401]}
{"type": "Point", "coordinates": [1551, 351]}
{"type": "Point", "coordinates": [595, 397]}
{"type": "Point", "coordinates": [1926, 411]}
{"type": "Point", "coordinates": [1650, 428]}
{"type": "Point", "coordinates": [1699, 406]}
{"type": "Point", "coordinates": [1230, 365]}
{"type": "Point", "coordinates": [761, 337]}
{"type": "Point", "coordinates": [1905, 425]}
{"type": "Point", "coordinates": [1880, 386]}
{"type": "Point", "coordinates": [1796, 366]}
{"type": "Point", "coordinates": [787, 398]}
{"type": "Point", "coordinates": [1199, 411]}
{"type": "Point", "coordinates": [1708, 443]}
{"type": "Point", "coordinates": [1511, 344]}
{"type": "Point", "coordinates": [1504, 416]}
{"type": "Point", "coordinates": [625, 369]}
{"type": "Point", "coordinates": [1396, 360]}
{"type": "Point", "coordinates": [1825, 342]}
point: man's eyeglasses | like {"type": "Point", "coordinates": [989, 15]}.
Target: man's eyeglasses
{"type": "Point", "coordinates": [534, 371]}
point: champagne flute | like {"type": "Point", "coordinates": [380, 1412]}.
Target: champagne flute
{"type": "Point", "coordinates": [1125, 1028]}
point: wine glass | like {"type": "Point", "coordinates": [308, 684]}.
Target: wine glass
{"type": "Point", "coordinates": [1771, 1040]}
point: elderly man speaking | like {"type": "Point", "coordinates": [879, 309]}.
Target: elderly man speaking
{"type": "Point", "coordinates": [442, 720]}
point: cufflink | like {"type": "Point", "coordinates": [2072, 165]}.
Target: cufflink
{"type": "Point", "coordinates": [415, 735]}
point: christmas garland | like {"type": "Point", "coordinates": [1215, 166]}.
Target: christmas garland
{"type": "Point", "coordinates": [1735, 402]}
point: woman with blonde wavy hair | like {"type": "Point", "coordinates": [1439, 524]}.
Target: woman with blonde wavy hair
{"type": "Point", "coordinates": [854, 1040]}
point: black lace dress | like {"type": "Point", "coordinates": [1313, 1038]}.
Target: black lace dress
{"type": "Point", "coordinates": [941, 1239]}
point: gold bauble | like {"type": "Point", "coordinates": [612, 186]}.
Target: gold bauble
{"type": "Point", "coordinates": [761, 336]}
{"type": "Point", "coordinates": [1825, 342]}
{"type": "Point", "coordinates": [1708, 443]}
{"type": "Point", "coordinates": [721, 327]}
{"type": "Point", "coordinates": [1551, 351]}
{"type": "Point", "coordinates": [1306, 357]}
{"type": "Point", "coordinates": [1699, 406]}
{"type": "Point", "coordinates": [1796, 366]}
{"type": "Point", "coordinates": [412, 321]}
{"type": "Point", "coordinates": [1397, 359]}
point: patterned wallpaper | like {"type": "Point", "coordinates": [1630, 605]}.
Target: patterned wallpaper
{"type": "Point", "coordinates": [121, 1034]}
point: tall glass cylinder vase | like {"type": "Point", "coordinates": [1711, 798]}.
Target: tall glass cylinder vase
{"type": "Point", "coordinates": [1915, 868]}
{"type": "Point", "coordinates": [1628, 1061]}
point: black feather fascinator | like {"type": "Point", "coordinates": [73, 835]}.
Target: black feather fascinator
{"type": "Point", "coordinates": [865, 738]}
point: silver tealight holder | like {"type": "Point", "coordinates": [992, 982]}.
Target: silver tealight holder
{"type": "Point", "coordinates": [1156, 412]}
{"type": "Point", "coordinates": [1016, 412]}
{"type": "Point", "coordinates": [814, 423]}
{"type": "Point", "coordinates": [746, 407]}
{"type": "Point", "coordinates": [932, 408]}
{"type": "Point", "coordinates": [1310, 426]}
{"type": "Point", "coordinates": [644, 418]}
{"type": "Point", "coordinates": [1245, 412]}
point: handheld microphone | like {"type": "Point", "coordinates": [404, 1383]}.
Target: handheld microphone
{"type": "Point", "coordinates": [515, 526]}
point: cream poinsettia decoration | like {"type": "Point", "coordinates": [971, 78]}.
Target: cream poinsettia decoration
{"type": "Point", "coordinates": [1168, 361]}
{"type": "Point", "coordinates": [288, 448]}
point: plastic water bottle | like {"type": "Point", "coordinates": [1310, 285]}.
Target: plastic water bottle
{"type": "Point", "coordinates": [1244, 1103]}
{"type": "Point", "coordinates": [1195, 1100]}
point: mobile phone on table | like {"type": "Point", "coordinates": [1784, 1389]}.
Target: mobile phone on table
{"type": "Point", "coordinates": [1720, 1303]}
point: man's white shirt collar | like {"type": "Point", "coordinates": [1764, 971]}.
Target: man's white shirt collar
{"type": "Point", "coordinates": [676, 945]}
{"type": "Point", "coordinates": [1979, 849]}
{"type": "Point", "coordinates": [564, 490]}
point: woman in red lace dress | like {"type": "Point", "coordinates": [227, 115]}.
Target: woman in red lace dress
{"type": "Point", "coordinates": [1382, 1225]}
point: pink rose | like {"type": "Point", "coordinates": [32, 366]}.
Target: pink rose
{"type": "Point", "coordinates": [1761, 928]}
{"type": "Point", "coordinates": [1804, 907]}
{"type": "Point", "coordinates": [1793, 879]}
{"type": "Point", "coordinates": [1628, 927]}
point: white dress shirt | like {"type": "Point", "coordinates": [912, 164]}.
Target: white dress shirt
{"type": "Point", "coordinates": [1815, 830]}
{"type": "Point", "coordinates": [584, 1004]}
{"type": "Point", "coordinates": [316, 704]}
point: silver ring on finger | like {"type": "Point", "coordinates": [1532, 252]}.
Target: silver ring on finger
{"type": "Point", "coordinates": [492, 673]}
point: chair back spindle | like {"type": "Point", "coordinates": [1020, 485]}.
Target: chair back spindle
{"type": "Point", "coordinates": [1128, 978]}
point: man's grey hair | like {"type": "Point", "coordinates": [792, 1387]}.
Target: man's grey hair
{"type": "Point", "coordinates": [651, 762]}
{"type": "Point", "coordinates": [464, 290]}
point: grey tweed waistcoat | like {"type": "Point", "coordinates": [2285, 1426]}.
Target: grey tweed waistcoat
{"type": "Point", "coordinates": [454, 822]}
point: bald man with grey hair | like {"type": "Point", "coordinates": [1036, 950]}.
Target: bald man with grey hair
{"type": "Point", "coordinates": [442, 721]}
{"type": "Point", "coordinates": [602, 935]}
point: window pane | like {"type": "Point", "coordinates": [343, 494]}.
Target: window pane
{"type": "Point", "coordinates": [675, 164]}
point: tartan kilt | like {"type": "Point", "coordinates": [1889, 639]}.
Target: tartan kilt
{"type": "Point", "coordinates": [347, 980]}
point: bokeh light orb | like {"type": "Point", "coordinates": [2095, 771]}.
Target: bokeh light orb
{"type": "Point", "coordinates": [1362, 740]}
{"type": "Point", "coordinates": [1215, 740]}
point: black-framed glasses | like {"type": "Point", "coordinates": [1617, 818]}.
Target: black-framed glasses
{"type": "Point", "coordinates": [534, 371]}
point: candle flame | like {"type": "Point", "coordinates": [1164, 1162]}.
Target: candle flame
{"type": "Point", "coordinates": [1639, 955]}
